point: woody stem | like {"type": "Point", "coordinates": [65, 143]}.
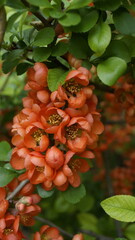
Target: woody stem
{"type": "Point", "coordinates": [17, 189]}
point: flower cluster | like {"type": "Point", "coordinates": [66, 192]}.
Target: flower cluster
{"type": "Point", "coordinates": [20, 209]}
{"type": "Point", "coordinates": [55, 133]}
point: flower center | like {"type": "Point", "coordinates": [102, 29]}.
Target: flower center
{"type": "Point", "coordinates": [73, 131]}
{"type": "Point", "coordinates": [54, 119]}
{"type": "Point", "coordinates": [37, 135]}
{"type": "Point", "coordinates": [8, 231]}
{"type": "Point", "coordinates": [44, 237]}
{"type": "Point", "coordinates": [74, 164]}
{"type": "Point", "coordinates": [26, 219]}
{"type": "Point", "coordinates": [72, 87]}
{"type": "Point", "coordinates": [40, 169]}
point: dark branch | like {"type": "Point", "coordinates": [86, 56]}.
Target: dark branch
{"type": "Point", "coordinates": [17, 190]}
{"type": "Point", "coordinates": [37, 14]}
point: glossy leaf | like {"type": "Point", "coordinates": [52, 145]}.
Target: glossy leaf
{"type": "Point", "coordinates": [56, 77]}
{"type": "Point", "coordinates": [22, 67]}
{"type": "Point", "coordinates": [76, 4]}
{"type": "Point", "coordinates": [44, 37]}
{"type": "Point", "coordinates": [44, 194]}
{"type": "Point", "coordinates": [70, 19]}
{"type": "Point", "coordinates": [107, 4]}
{"type": "Point", "coordinates": [111, 69]}
{"type": "Point", "coordinates": [59, 49]}
{"type": "Point", "coordinates": [74, 195]}
{"type": "Point", "coordinates": [40, 3]}
{"type": "Point", "coordinates": [124, 22]}
{"type": "Point", "coordinates": [4, 149]}
{"type": "Point", "coordinates": [121, 207]}
{"type": "Point", "coordinates": [99, 37]}
{"type": "Point", "coordinates": [41, 54]}
{"type": "Point", "coordinates": [6, 176]}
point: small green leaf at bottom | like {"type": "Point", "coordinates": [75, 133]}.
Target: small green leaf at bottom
{"type": "Point", "coordinates": [44, 194]}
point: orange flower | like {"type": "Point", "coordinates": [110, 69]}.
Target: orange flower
{"type": "Point", "coordinates": [75, 164]}
{"type": "Point", "coordinates": [74, 134]}
{"type": "Point", "coordinates": [17, 160]}
{"type": "Point", "coordinates": [9, 228]}
{"type": "Point", "coordinates": [36, 139]}
{"type": "Point", "coordinates": [54, 157]}
{"type": "Point", "coordinates": [37, 77]}
{"type": "Point", "coordinates": [48, 233]}
{"type": "Point", "coordinates": [74, 90]}
{"type": "Point", "coordinates": [38, 169]}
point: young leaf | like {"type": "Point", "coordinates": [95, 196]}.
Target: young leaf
{"type": "Point", "coordinates": [70, 19]}
{"type": "Point", "coordinates": [40, 54]}
{"type": "Point", "coordinates": [121, 207]}
{"type": "Point", "coordinates": [75, 4]}
{"type": "Point", "coordinates": [44, 37]}
{"type": "Point", "coordinates": [4, 150]}
{"type": "Point", "coordinates": [74, 195]}
{"type": "Point", "coordinates": [44, 194]}
{"type": "Point", "coordinates": [56, 76]}
{"type": "Point", "coordinates": [110, 70]}
{"type": "Point", "coordinates": [99, 37]}
{"type": "Point", "coordinates": [12, 19]}
{"type": "Point", "coordinates": [6, 176]}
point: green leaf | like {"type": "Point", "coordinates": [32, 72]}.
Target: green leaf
{"type": "Point", "coordinates": [99, 37]}
{"type": "Point", "coordinates": [121, 207]}
{"type": "Point", "coordinates": [15, 4]}
{"type": "Point", "coordinates": [85, 204]}
{"type": "Point", "coordinates": [88, 221]}
{"type": "Point", "coordinates": [130, 43]}
{"type": "Point", "coordinates": [75, 4]}
{"type": "Point", "coordinates": [88, 20]}
{"type": "Point", "coordinates": [41, 54]}
{"type": "Point", "coordinates": [56, 77]}
{"type": "Point", "coordinates": [78, 46]}
{"type": "Point", "coordinates": [11, 60]}
{"type": "Point", "coordinates": [130, 231]}
{"type": "Point", "coordinates": [44, 37]}
{"type": "Point", "coordinates": [44, 194]}
{"type": "Point", "coordinates": [111, 69]}
{"type": "Point", "coordinates": [124, 22]}
{"type": "Point", "coordinates": [22, 67]}
{"type": "Point", "coordinates": [6, 176]}
{"type": "Point", "coordinates": [40, 3]}
{"type": "Point", "coordinates": [74, 195]}
{"type": "Point", "coordinates": [120, 238]}
{"type": "Point", "coordinates": [4, 150]}
{"type": "Point", "coordinates": [119, 49]}
{"type": "Point", "coordinates": [12, 20]}
{"type": "Point", "coordinates": [56, 13]}
{"type": "Point", "coordinates": [59, 49]}
{"type": "Point", "coordinates": [63, 62]}
{"type": "Point", "coordinates": [107, 4]}
{"type": "Point", "coordinates": [70, 19]}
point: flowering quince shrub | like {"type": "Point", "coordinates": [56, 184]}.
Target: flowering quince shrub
{"type": "Point", "coordinates": [68, 87]}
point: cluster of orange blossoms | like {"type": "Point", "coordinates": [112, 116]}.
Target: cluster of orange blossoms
{"type": "Point", "coordinates": [54, 135]}
{"type": "Point", "coordinates": [56, 131]}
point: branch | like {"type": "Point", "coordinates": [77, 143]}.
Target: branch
{"type": "Point", "coordinates": [90, 233]}
{"type": "Point", "coordinates": [53, 225]}
{"type": "Point", "coordinates": [17, 190]}
{"type": "Point", "coordinates": [37, 14]}
{"type": "Point", "coordinates": [97, 236]}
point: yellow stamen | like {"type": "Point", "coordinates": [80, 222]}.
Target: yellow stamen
{"type": "Point", "coordinates": [54, 119]}
{"type": "Point", "coordinates": [72, 87]}
{"type": "Point", "coordinates": [73, 131]}
{"type": "Point", "coordinates": [37, 135]}
{"type": "Point", "coordinates": [8, 231]}
{"type": "Point", "coordinates": [74, 164]}
{"type": "Point", "coordinates": [40, 169]}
